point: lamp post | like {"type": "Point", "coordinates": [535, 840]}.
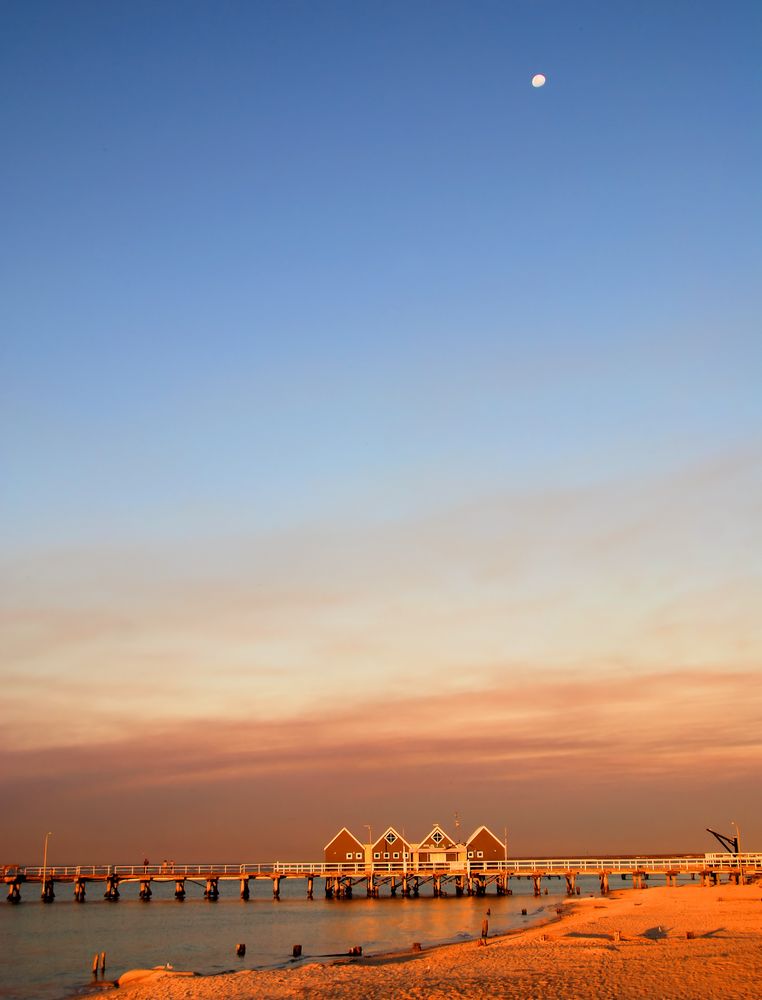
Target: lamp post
{"type": "Point", "coordinates": [45, 860]}
{"type": "Point", "coordinates": [738, 836]}
{"type": "Point", "coordinates": [738, 851]}
{"type": "Point", "coordinates": [505, 843]}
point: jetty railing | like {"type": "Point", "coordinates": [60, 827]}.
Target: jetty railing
{"type": "Point", "coordinates": [720, 862]}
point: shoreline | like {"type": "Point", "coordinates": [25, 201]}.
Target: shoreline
{"type": "Point", "coordinates": [691, 942]}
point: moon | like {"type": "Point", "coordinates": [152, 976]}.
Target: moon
{"type": "Point", "coordinates": [538, 80]}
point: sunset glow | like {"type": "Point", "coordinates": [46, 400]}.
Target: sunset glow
{"type": "Point", "coordinates": [380, 441]}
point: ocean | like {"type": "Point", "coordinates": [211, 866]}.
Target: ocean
{"type": "Point", "coordinates": [47, 949]}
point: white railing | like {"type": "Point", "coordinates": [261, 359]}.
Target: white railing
{"type": "Point", "coordinates": [721, 862]}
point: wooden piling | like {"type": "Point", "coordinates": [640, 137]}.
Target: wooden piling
{"type": "Point", "coordinates": [310, 886]}
{"type": "Point", "coordinates": [244, 888]}
{"type": "Point", "coordinates": [276, 886]}
{"type": "Point", "coordinates": [103, 962]}
{"type": "Point", "coordinates": [112, 889]}
{"type": "Point", "coordinates": [180, 889]}
{"type": "Point", "coordinates": [95, 964]}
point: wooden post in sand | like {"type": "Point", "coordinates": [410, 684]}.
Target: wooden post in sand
{"type": "Point", "coordinates": [536, 880]}
{"type": "Point", "coordinates": [571, 883]}
{"type": "Point", "coordinates": [604, 877]}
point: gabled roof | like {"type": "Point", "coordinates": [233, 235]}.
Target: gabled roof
{"type": "Point", "coordinates": [397, 834]}
{"type": "Point", "coordinates": [479, 829]}
{"type": "Point", "coordinates": [437, 828]}
{"type": "Point", "coordinates": [336, 837]}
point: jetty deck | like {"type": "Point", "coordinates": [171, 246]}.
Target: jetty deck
{"type": "Point", "coordinates": [399, 878]}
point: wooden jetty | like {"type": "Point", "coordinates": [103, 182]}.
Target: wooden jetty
{"type": "Point", "coordinates": [399, 878]}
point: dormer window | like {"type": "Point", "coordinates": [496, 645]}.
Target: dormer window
{"type": "Point", "coordinates": [437, 837]}
{"type": "Point", "coordinates": [390, 837]}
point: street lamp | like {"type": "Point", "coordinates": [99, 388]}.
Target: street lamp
{"type": "Point", "coordinates": [505, 842]}
{"type": "Point", "coordinates": [45, 860]}
{"type": "Point", "coordinates": [738, 836]}
{"type": "Point", "coordinates": [738, 851]}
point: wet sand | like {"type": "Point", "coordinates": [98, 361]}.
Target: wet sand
{"type": "Point", "coordinates": [631, 944]}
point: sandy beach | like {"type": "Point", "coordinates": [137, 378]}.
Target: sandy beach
{"type": "Point", "coordinates": [627, 945]}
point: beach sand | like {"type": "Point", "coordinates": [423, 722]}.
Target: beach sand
{"type": "Point", "coordinates": [578, 955]}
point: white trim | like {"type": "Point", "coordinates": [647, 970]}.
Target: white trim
{"type": "Point", "coordinates": [337, 835]}
{"type": "Point", "coordinates": [479, 829]}
{"type": "Point", "coordinates": [438, 847]}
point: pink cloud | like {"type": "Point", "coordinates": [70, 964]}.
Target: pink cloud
{"type": "Point", "coordinates": [595, 737]}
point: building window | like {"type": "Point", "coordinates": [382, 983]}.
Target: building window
{"type": "Point", "coordinates": [480, 854]}
{"type": "Point", "coordinates": [349, 855]}
{"type": "Point", "coordinates": [376, 856]}
{"type": "Point", "coordinates": [390, 837]}
{"type": "Point", "coordinates": [438, 837]}
{"type": "Point", "coordinates": [359, 856]}
{"type": "Point", "coordinates": [396, 855]}
{"type": "Point", "coordinates": [470, 854]}
{"type": "Point", "coordinates": [405, 854]}
{"type": "Point", "coordinates": [386, 855]}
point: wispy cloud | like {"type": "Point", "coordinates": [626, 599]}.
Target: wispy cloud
{"type": "Point", "coordinates": [540, 739]}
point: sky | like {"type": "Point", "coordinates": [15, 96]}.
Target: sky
{"type": "Point", "coordinates": [380, 436]}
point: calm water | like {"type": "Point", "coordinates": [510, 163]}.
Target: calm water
{"type": "Point", "coordinates": [47, 950]}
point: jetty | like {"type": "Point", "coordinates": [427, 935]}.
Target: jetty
{"type": "Point", "coordinates": [397, 877]}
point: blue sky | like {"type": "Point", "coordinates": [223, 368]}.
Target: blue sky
{"type": "Point", "coordinates": [322, 309]}
{"type": "Point", "coordinates": [348, 242]}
